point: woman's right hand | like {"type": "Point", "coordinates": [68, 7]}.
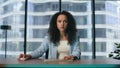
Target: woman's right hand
{"type": "Point", "coordinates": [24, 57]}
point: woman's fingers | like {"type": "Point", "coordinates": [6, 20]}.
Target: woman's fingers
{"type": "Point", "coordinates": [69, 58]}
{"type": "Point", "coordinates": [24, 57]}
{"type": "Point", "coordinates": [66, 58]}
{"type": "Point", "coordinates": [20, 56]}
{"type": "Point", "coordinates": [27, 56]}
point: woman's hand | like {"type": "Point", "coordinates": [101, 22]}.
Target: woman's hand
{"type": "Point", "coordinates": [69, 57]}
{"type": "Point", "coordinates": [24, 57]}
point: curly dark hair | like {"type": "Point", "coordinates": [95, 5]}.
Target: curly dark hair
{"type": "Point", "coordinates": [70, 31]}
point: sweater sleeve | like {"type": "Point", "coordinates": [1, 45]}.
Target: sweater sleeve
{"type": "Point", "coordinates": [41, 49]}
{"type": "Point", "coordinates": [76, 50]}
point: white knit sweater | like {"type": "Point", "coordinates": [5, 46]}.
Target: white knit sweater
{"type": "Point", "coordinates": [63, 49]}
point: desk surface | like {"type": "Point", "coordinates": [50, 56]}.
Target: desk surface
{"type": "Point", "coordinates": [41, 61]}
{"type": "Point", "coordinates": [93, 63]}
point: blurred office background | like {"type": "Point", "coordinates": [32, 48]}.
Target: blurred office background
{"type": "Point", "coordinates": [107, 24]}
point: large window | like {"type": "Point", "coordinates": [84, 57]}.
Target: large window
{"type": "Point", "coordinates": [107, 21]}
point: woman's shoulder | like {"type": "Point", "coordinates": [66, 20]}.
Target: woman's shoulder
{"type": "Point", "coordinates": [77, 37]}
{"type": "Point", "coordinates": [47, 38]}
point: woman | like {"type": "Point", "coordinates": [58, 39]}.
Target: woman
{"type": "Point", "coordinates": [62, 41]}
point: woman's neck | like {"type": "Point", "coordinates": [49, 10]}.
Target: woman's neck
{"type": "Point", "coordinates": [63, 36]}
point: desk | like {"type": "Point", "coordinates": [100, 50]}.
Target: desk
{"type": "Point", "coordinates": [77, 63]}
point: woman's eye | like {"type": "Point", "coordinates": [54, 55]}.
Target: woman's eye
{"type": "Point", "coordinates": [65, 21]}
{"type": "Point", "coordinates": [59, 21]}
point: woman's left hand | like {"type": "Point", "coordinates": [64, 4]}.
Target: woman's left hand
{"type": "Point", "coordinates": [71, 57]}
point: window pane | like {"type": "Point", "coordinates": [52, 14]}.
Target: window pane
{"type": "Point", "coordinates": [100, 32]}
{"type": "Point", "coordinates": [81, 20]}
{"type": "Point", "coordinates": [74, 6]}
{"type": "Point", "coordinates": [99, 6]}
{"type": "Point", "coordinates": [39, 20]}
{"type": "Point", "coordinates": [82, 33]}
{"type": "Point", "coordinates": [100, 19]}
{"type": "Point", "coordinates": [81, 10]}
{"type": "Point", "coordinates": [107, 26]}
{"type": "Point", "coordinates": [39, 15]}
{"type": "Point", "coordinates": [43, 6]}
{"type": "Point", "coordinates": [101, 46]}
{"type": "Point", "coordinates": [12, 14]}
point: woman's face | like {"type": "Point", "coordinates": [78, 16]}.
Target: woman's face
{"type": "Point", "coordinates": [62, 22]}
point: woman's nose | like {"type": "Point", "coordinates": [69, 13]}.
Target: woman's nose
{"type": "Point", "coordinates": [62, 23]}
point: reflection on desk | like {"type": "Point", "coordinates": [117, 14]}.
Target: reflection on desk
{"type": "Point", "coordinates": [46, 63]}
